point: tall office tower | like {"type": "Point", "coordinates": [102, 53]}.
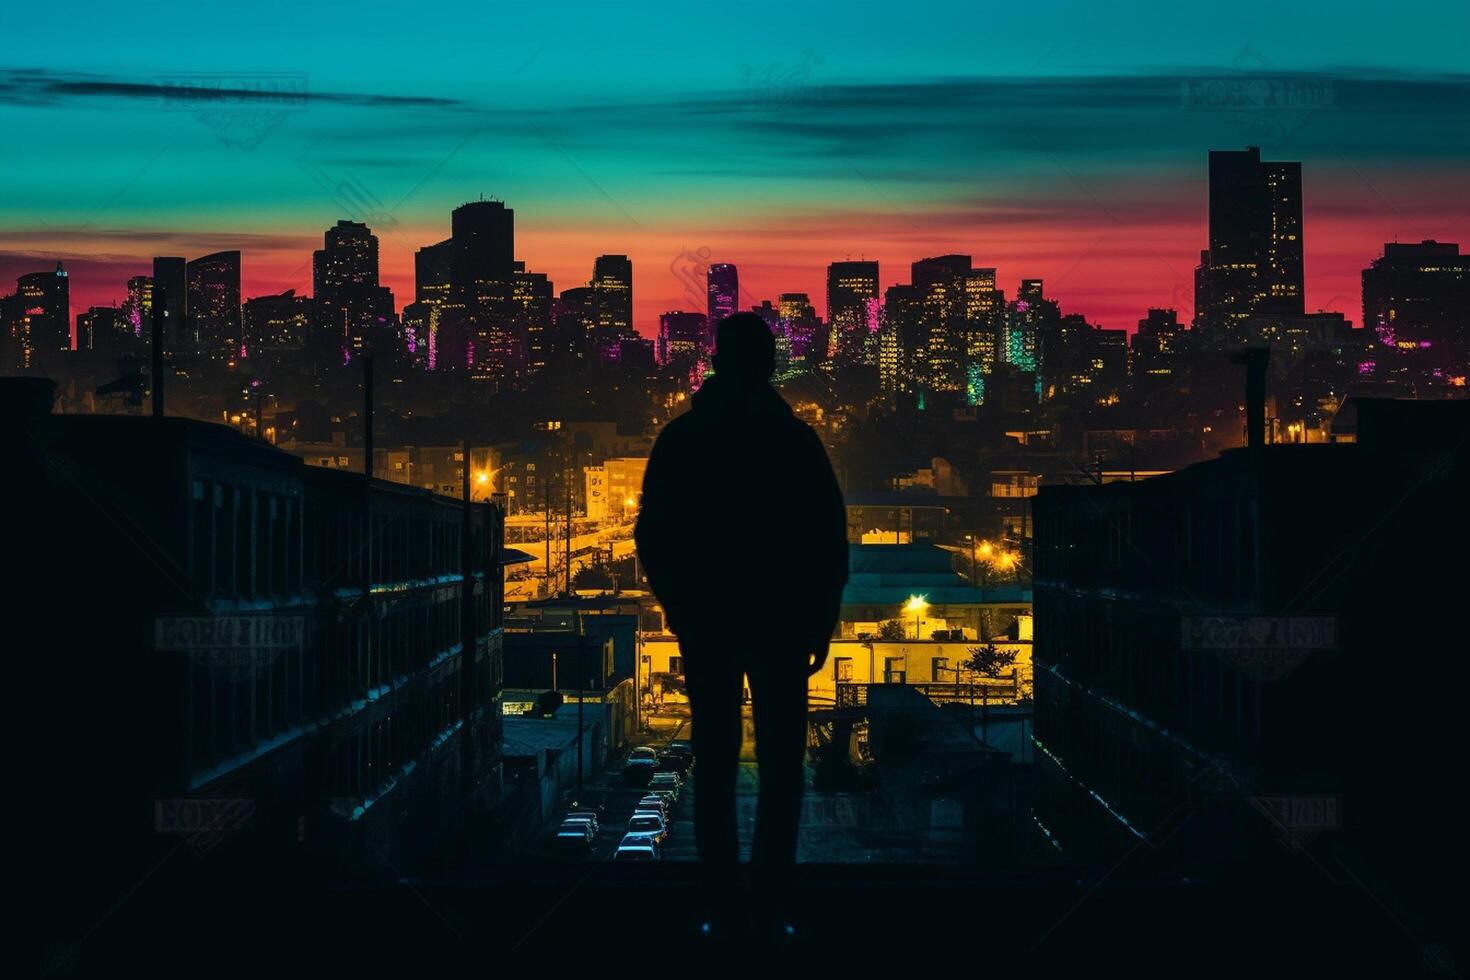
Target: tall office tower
{"type": "Point", "coordinates": [1254, 261]}
{"type": "Point", "coordinates": [1155, 351]}
{"type": "Point", "coordinates": [1416, 298]}
{"type": "Point", "coordinates": [39, 323]}
{"type": "Point", "coordinates": [483, 233]}
{"type": "Point", "coordinates": [723, 283]}
{"type": "Point", "coordinates": [682, 340]}
{"type": "Point", "coordinates": [900, 346]}
{"type": "Point", "coordinates": [348, 259]}
{"type": "Point", "coordinates": [170, 278]}
{"type": "Point", "coordinates": [531, 295]}
{"type": "Point", "coordinates": [277, 323]}
{"type": "Point", "coordinates": [433, 271]}
{"type": "Point", "coordinates": [984, 324]}
{"type": "Point", "coordinates": [800, 323]}
{"type": "Point", "coordinates": [574, 323]}
{"type": "Point", "coordinates": [212, 309]}
{"type": "Point", "coordinates": [850, 287]}
{"type": "Point", "coordinates": [1030, 331]}
{"type": "Point", "coordinates": [353, 310]}
{"type": "Point", "coordinates": [612, 288]}
{"type": "Point", "coordinates": [102, 330]}
{"type": "Point", "coordinates": [941, 283]}
{"type": "Point", "coordinates": [771, 314]}
{"type": "Point", "coordinates": [138, 307]}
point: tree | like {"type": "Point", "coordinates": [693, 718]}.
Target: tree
{"type": "Point", "coordinates": [591, 578]}
{"type": "Point", "coordinates": [989, 660]}
{"type": "Point", "coordinates": [891, 629]}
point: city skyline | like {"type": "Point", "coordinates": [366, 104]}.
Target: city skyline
{"type": "Point", "coordinates": [1070, 154]}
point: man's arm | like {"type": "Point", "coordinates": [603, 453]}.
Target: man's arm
{"type": "Point", "coordinates": [829, 524]}
{"type": "Point", "coordinates": [657, 519]}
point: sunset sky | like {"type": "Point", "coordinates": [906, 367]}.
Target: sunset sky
{"type": "Point", "coordinates": [1059, 140]}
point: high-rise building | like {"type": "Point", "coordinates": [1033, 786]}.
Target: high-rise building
{"type": "Point", "coordinates": [138, 307]}
{"type": "Point", "coordinates": [1254, 261]}
{"type": "Point", "coordinates": [433, 271]}
{"type": "Point", "coordinates": [612, 289]}
{"type": "Point", "coordinates": [532, 296]}
{"type": "Point", "coordinates": [212, 309]}
{"type": "Point", "coordinates": [985, 308]}
{"type": "Point", "coordinates": [941, 284]}
{"type": "Point", "coordinates": [38, 319]}
{"type": "Point", "coordinates": [900, 345]}
{"type": "Point", "coordinates": [277, 323]}
{"type": "Point", "coordinates": [723, 282]}
{"type": "Point", "coordinates": [483, 233]}
{"type": "Point", "coordinates": [799, 318]}
{"type": "Point", "coordinates": [170, 280]}
{"type": "Point", "coordinates": [1416, 298]}
{"type": "Point", "coordinates": [851, 289]}
{"type": "Point", "coordinates": [574, 324]}
{"type": "Point", "coordinates": [682, 339]}
{"type": "Point", "coordinates": [352, 308]}
{"type": "Point", "coordinates": [102, 330]}
{"type": "Point", "coordinates": [1156, 351]}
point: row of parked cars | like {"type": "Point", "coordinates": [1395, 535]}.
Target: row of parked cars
{"type": "Point", "coordinates": [661, 774]}
{"type": "Point", "coordinates": [651, 822]}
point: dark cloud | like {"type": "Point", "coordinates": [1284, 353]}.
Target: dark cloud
{"type": "Point", "coordinates": [40, 87]}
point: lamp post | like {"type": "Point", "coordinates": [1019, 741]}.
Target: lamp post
{"type": "Point", "coordinates": [916, 605]}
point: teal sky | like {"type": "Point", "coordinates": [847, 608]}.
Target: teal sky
{"type": "Point", "coordinates": [1051, 139]}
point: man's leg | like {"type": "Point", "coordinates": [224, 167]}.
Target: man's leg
{"type": "Point", "coordinates": [779, 690]}
{"type": "Point", "coordinates": [713, 679]}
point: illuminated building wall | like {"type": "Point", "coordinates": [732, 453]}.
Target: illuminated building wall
{"type": "Point", "coordinates": [1416, 298]}
{"type": "Point", "coordinates": [723, 284]}
{"type": "Point", "coordinates": [1254, 260]}
{"type": "Point", "coordinates": [213, 305]}
{"type": "Point", "coordinates": [850, 288]}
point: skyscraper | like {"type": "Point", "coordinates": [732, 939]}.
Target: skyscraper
{"type": "Point", "coordinates": [1254, 261]}
{"type": "Point", "coordinates": [213, 304]}
{"type": "Point", "coordinates": [723, 282]}
{"type": "Point", "coordinates": [612, 289]}
{"type": "Point", "coordinates": [483, 233]}
{"type": "Point", "coordinates": [799, 318]}
{"type": "Point", "coordinates": [940, 282]}
{"type": "Point", "coordinates": [682, 339]}
{"type": "Point", "coordinates": [850, 288]}
{"type": "Point", "coordinates": [532, 295]}
{"type": "Point", "coordinates": [433, 271]}
{"type": "Point", "coordinates": [353, 310]}
{"type": "Point", "coordinates": [138, 307]}
{"type": "Point", "coordinates": [39, 318]}
{"type": "Point", "coordinates": [1416, 298]}
{"type": "Point", "coordinates": [574, 323]}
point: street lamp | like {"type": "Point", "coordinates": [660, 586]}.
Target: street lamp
{"type": "Point", "coordinates": [916, 605]}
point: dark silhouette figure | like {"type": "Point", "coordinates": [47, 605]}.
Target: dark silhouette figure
{"type": "Point", "coordinates": [743, 535]}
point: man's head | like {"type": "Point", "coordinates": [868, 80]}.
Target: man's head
{"type": "Point", "coordinates": [745, 351]}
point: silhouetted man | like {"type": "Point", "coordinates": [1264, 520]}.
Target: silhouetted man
{"type": "Point", "coordinates": [743, 536]}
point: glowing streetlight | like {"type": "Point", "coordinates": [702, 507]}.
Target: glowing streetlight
{"type": "Point", "coordinates": [916, 605]}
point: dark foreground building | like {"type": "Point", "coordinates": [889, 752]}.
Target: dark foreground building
{"type": "Point", "coordinates": [223, 657]}
{"type": "Point", "coordinates": [1257, 663]}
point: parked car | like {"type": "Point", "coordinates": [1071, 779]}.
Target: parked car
{"type": "Point", "coordinates": [582, 816]}
{"type": "Point", "coordinates": [677, 757]}
{"type": "Point", "coordinates": [654, 801]}
{"type": "Point", "coordinates": [641, 840]}
{"type": "Point", "coordinates": [640, 766]}
{"type": "Point", "coordinates": [666, 795]}
{"type": "Point", "coordinates": [636, 851]}
{"type": "Point", "coordinates": [653, 806]}
{"type": "Point", "coordinates": [650, 825]}
{"type": "Point", "coordinates": [575, 838]}
{"type": "Point", "coordinates": [666, 781]}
